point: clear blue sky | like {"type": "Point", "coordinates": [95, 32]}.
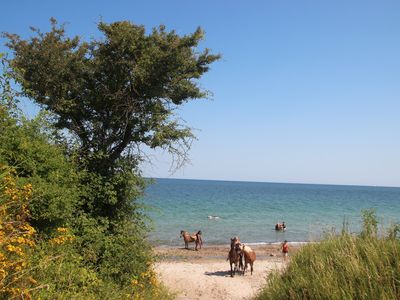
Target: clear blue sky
{"type": "Point", "coordinates": [306, 91]}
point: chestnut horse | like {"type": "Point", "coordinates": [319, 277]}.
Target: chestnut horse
{"type": "Point", "coordinates": [188, 238]}
{"type": "Point", "coordinates": [235, 256]}
{"type": "Point", "coordinates": [249, 257]}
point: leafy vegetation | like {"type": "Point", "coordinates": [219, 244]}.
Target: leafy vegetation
{"type": "Point", "coordinates": [16, 236]}
{"type": "Point", "coordinates": [32, 266]}
{"type": "Point", "coordinates": [26, 146]}
{"type": "Point", "coordinates": [342, 267]}
{"type": "Point", "coordinates": [79, 158]}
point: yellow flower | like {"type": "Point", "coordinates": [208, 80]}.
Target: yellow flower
{"type": "Point", "coordinates": [16, 235]}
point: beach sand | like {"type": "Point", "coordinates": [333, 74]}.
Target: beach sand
{"type": "Point", "coordinates": [205, 274]}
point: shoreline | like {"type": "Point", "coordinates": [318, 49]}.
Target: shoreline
{"type": "Point", "coordinates": [271, 252]}
{"type": "Point", "coordinates": [205, 274]}
{"type": "Point", "coordinates": [256, 244]}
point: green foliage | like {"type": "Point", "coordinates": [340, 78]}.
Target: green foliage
{"type": "Point", "coordinates": [117, 92]}
{"type": "Point", "coordinates": [341, 267]}
{"type": "Point", "coordinates": [118, 256]}
{"type": "Point", "coordinates": [62, 273]}
{"type": "Point", "coordinates": [370, 223]}
{"type": "Point", "coordinates": [25, 145]}
{"type": "Point", "coordinates": [7, 94]}
{"type": "Point", "coordinates": [95, 264]}
{"type": "Point", "coordinates": [114, 195]}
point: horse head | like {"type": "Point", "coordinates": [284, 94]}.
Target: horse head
{"type": "Point", "coordinates": [239, 248]}
{"type": "Point", "coordinates": [235, 240]}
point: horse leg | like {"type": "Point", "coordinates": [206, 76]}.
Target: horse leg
{"type": "Point", "coordinates": [251, 268]}
{"type": "Point", "coordinates": [241, 263]}
{"type": "Point", "coordinates": [231, 270]}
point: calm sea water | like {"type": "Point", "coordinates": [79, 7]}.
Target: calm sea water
{"type": "Point", "coordinates": [251, 209]}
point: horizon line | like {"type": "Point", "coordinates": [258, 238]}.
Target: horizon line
{"type": "Point", "coordinates": [277, 182]}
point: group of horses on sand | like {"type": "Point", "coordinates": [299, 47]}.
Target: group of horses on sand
{"type": "Point", "coordinates": [236, 255]}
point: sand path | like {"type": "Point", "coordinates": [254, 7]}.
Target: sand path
{"type": "Point", "coordinates": [205, 274]}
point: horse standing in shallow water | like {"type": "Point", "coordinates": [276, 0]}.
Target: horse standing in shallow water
{"type": "Point", "coordinates": [235, 256]}
{"type": "Point", "coordinates": [188, 238]}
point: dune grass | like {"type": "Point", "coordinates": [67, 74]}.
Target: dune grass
{"type": "Point", "coordinates": [344, 266]}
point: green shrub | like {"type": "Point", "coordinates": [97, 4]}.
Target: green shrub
{"type": "Point", "coordinates": [62, 273]}
{"type": "Point", "coordinates": [80, 253]}
{"type": "Point", "coordinates": [28, 148]}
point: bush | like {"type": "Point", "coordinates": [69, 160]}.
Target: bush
{"type": "Point", "coordinates": [51, 245]}
{"type": "Point", "coordinates": [64, 274]}
{"type": "Point", "coordinates": [27, 147]}
{"type": "Point", "coordinates": [53, 267]}
{"type": "Point", "coordinates": [16, 237]}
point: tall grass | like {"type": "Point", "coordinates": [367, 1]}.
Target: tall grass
{"type": "Point", "coordinates": [346, 266]}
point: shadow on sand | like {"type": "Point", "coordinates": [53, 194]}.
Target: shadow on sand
{"type": "Point", "coordinates": [219, 273]}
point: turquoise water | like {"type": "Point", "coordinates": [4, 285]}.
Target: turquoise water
{"type": "Point", "coordinates": [251, 209]}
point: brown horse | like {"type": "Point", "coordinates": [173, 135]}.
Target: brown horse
{"type": "Point", "coordinates": [249, 257]}
{"type": "Point", "coordinates": [195, 237]}
{"type": "Point", "coordinates": [235, 256]}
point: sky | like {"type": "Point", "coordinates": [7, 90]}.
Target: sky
{"type": "Point", "coordinates": [305, 92]}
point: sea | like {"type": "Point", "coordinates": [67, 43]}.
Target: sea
{"type": "Point", "coordinates": [250, 210]}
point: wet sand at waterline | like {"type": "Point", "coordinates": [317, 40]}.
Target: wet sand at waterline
{"type": "Point", "coordinates": [205, 274]}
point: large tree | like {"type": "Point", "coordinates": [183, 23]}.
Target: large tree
{"type": "Point", "coordinates": [115, 93]}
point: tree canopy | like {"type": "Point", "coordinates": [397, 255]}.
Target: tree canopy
{"type": "Point", "coordinates": [114, 93]}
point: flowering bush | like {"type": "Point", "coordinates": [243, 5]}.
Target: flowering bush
{"type": "Point", "coordinates": [17, 237]}
{"type": "Point", "coordinates": [63, 236]}
{"type": "Point", "coordinates": [145, 283]}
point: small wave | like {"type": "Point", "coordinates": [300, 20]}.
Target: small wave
{"type": "Point", "coordinates": [167, 245]}
{"type": "Point", "coordinates": [262, 243]}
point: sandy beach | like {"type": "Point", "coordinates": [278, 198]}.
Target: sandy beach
{"type": "Point", "coordinates": [205, 274]}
